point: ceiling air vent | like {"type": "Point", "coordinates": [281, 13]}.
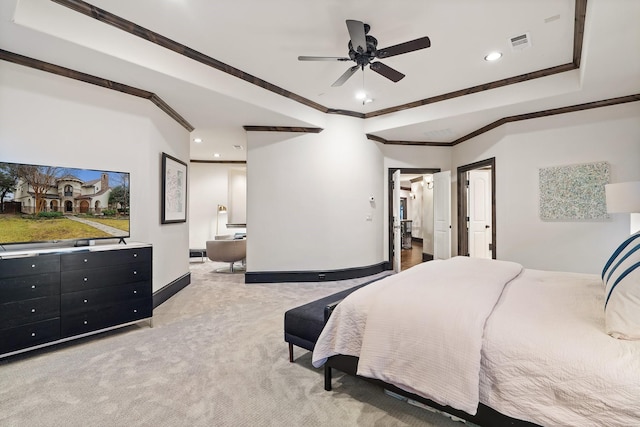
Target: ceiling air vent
{"type": "Point", "coordinates": [520, 42]}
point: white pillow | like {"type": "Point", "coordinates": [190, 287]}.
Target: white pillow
{"type": "Point", "coordinates": [621, 278]}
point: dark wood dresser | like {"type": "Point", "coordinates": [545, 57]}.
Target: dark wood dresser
{"type": "Point", "coordinates": [48, 296]}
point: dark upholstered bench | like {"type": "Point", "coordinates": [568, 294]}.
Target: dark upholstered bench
{"type": "Point", "coordinates": [303, 324]}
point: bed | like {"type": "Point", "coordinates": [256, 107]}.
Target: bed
{"type": "Point", "coordinates": [477, 335]}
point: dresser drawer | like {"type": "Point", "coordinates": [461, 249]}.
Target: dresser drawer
{"type": "Point", "coordinates": [106, 317]}
{"type": "Point", "coordinates": [27, 287]}
{"type": "Point", "coordinates": [29, 335]}
{"type": "Point", "coordinates": [82, 260]}
{"type": "Point", "coordinates": [94, 299]}
{"type": "Point", "coordinates": [15, 267]}
{"type": "Point", "coordinates": [29, 311]}
{"type": "Point", "coordinates": [76, 280]}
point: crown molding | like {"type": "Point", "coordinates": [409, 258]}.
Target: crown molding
{"type": "Point", "coordinates": [153, 37]}
{"type": "Point", "coordinates": [282, 129]}
{"type": "Point", "coordinates": [94, 80]}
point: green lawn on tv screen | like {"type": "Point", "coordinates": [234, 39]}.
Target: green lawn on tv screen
{"type": "Point", "coordinates": [16, 228]}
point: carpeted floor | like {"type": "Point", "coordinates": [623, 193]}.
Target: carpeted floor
{"type": "Point", "coordinates": [214, 357]}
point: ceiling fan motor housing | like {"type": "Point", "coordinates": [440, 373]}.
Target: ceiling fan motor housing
{"type": "Point", "coordinates": [364, 58]}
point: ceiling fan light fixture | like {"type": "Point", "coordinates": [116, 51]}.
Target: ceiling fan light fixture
{"type": "Point", "coordinates": [361, 95]}
{"type": "Point", "coordinates": [493, 56]}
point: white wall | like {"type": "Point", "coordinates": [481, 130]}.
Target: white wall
{"type": "Point", "coordinates": [237, 196]}
{"type": "Point", "coordinates": [47, 119]}
{"type": "Point", "coordinates": [416, 211]}
{"type": "Point", "coordinates": [427, 216]}
{"type": "Point", "coordinates": [208, 188]}
{"type": "Point", "coordinates": [609, 134]}
{"type": "Point", "coordinates": [308, 199]}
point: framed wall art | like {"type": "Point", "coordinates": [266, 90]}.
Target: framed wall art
{"type": "Point", "coordinates": [574, 192]}
{"type": "Point", "coordinates": [174, 190]}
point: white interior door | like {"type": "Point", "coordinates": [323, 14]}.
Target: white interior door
{"type": "Point", "coordinates": [442, 215]}
{"type": "Point", "coordinates": [397, 238]}
{"type": "Point", "coordinates": [427, 215]}
{"type": "Point", "coordinates": [479, 206]}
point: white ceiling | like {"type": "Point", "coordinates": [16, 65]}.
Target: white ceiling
{"type": "Point", "coordinates": [264, 39]}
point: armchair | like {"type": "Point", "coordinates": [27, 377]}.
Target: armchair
{"type": "Point", "coordinates": [228, 250]}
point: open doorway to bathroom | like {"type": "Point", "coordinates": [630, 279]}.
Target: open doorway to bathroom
{"type": "Point", "coordinates": [415, 241]}
{"type": "Point", "coordinates": [477, 209]}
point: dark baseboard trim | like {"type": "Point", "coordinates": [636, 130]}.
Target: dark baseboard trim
{"type": "Point", "coordinates": [314, 276]}
{"type": "Point", "coordinates": [416, 239]}
{"type": "Point", "coordinates": [427, 257]}
{"type": "Point", "coordinates": [161, 295]}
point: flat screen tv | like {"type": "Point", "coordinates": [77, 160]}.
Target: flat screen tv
{"type": "Point", "coordinates": [49, 204]}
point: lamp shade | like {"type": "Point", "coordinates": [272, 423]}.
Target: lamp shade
{"type": "Point", "coordinates": [623, 197]}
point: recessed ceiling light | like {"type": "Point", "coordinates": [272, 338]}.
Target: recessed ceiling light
{"type": "Point", "coordinates": [493, 56]}
{"type": "Point", "coordinates": [361, 95]}
{"type": "Point", "coordinates": [238, 147]}
{"type": "Point", "coordinates": [216, 154]}
{"type": "Point", "coordinates": [197, 140]}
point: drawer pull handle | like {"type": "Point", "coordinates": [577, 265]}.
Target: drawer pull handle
{"type": "Point", "coordinates": [135, 255]}
{"type": "Point", "coordinates": [33, 286]}
{"type": "Point", "coordinates": [135, 292]}
{"type": "Point", "coordinates": [135, 272]}
{"type": "Point", "coordinates": [85, 260]}
{"type": "Point", "coordinates": [85, 279]}
{"type": "Point", "coordinates": [33, 266]}
{"type": "Point", "coordinates": [33, 310]}
{"type": "Point", "coordinates": [33, 334]}
{"type": "Point", "coordinates": [135, 311]}
{"type": "Point", "coordinates": [86, 301]}
{"type": "Point", "coordinates": [85, 322]}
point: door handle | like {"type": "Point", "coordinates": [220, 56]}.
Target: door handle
{"type": "Point", "coordinates": [487, 226]}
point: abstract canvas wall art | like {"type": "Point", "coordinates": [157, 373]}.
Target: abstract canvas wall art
{"type": "Point", "coordinates": [574, 192]}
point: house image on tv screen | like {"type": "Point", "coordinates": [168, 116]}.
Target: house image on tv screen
{"type": "Point", "coordinates": [68, 194]}
{"type": "Point", "coordinates": [71, 191]}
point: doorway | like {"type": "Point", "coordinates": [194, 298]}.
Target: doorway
{"type": "Point", "coordinates": [477, 209]}
{"type": "Point", "coordinates": [413, 245]}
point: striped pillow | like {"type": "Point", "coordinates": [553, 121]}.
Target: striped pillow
{"type": "Point", "coordinates": [621, 278]}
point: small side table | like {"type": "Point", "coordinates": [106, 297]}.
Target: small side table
{"type": "Point", "coordinates": [193, 253]}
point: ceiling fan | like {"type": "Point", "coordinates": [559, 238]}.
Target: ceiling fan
{"type": "Point", "coordinates": [363, 49]}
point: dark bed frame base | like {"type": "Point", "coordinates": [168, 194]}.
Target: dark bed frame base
{"type": "Point", "coordinates": [486, 416]}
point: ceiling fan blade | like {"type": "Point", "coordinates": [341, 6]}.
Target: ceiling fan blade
{"type": "Point", "coordinates": [343, 78]}
{"type": "Point", "coordinates": [406, 47]}
{"type": "Point", "coordinates": [322, 58]}
{"type": "Point", "coordinates": [357, 34]}
{"type": "Point", "coordinates": [386, 71]}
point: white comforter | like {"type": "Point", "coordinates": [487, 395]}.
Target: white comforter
{"type": "Point", "coordinates": [421, 330]}
{"type": "Point", "coordinates": [545, 357]}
